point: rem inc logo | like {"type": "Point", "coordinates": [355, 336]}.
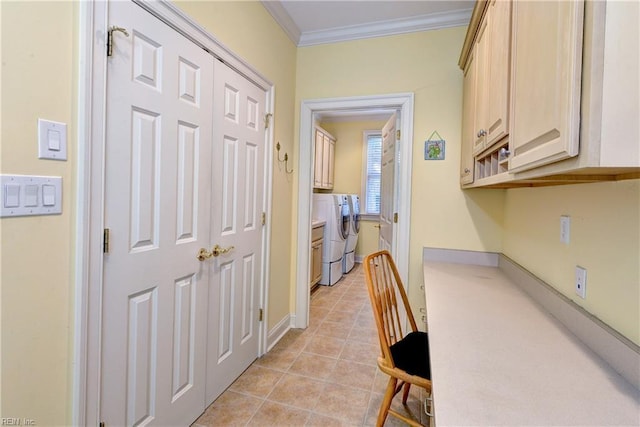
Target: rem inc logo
{"type": "Point", "coordinates": [8, 421]}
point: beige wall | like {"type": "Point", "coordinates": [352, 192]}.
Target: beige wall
{"type": "Point", "coordinates": [37, 290]}
{"type": "Point", "coordinates": [604, 239]}
{"type": "Point", "coordinates": [38, 80]}
{"type": "Point", "coordinates": [348, 155]}
{"type": "Point", "coordinates": [425, 64]}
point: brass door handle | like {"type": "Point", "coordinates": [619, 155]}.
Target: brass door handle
{"type": "Point", "coordinates": [217, 250]}
{"type": "Point", "coordinates": [204, 254]}
{"type": "Point", "coordinates": [377, 226]}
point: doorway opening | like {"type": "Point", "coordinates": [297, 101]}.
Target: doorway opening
{"type": "Point", "coordinates": [310, 111]}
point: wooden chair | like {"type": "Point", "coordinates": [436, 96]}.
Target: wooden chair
{"type": "Point", "coordinates": [404, 358]}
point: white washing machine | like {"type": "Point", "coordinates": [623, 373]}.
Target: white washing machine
{"type": "Point", "coordinates": [334, 210]}
{"type": "Point", "coordinates": [349, 258]}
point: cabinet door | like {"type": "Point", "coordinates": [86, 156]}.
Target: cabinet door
{"type": "Point", "coordinates": [547, 49]}
{"type": "Point", "coordinates": [498, 72]}
{"type": "Point", "coordinates": [468, 122]}
{"type": "Point", "coordinates": [316, 261]}
{"type": "Point", "coordinates": [319, 149]}
{"type": "Point", "coordinates": [330, 161]}
{"type": "Point", "coordinates": [325, 162]}
{"type": "Point", "coordinates": [481, 86]}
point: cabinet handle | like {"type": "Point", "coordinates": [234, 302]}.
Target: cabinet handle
{"type": "Point", "coordinates": [467, 170]}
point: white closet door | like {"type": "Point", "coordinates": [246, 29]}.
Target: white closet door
{"type": "Point", "coordinates": [236, 227]}
{"type": "Point", "coordinates": [157, 197]}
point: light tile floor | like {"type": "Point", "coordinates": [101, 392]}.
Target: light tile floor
{"type": "Point", "coordinates": [325, 375]}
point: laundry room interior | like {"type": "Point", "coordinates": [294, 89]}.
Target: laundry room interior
{"type": "Point", "coordinates": [349, 133]}
{"type": "Point", "coordinates": [51, 306]}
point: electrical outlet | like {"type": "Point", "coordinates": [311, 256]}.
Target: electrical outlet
{"type": "Point", "coordinates": [565, 229]}
{"type": "Point", "coordinates": [581, 282]}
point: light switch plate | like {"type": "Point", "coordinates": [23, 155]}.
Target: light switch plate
{"type": "Point", "coordinates": [52, 140]}
{"type": "Point", "coordinates": [25, 195]}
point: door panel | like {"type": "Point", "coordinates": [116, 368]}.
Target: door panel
{"type": "Point", "coordinates": [157, 183]}
{"type": "Point", "coordinates": [238, 163]}
{"type": "Point", "coordinates": [387, 180]}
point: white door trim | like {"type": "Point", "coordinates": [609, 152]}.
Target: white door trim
{"type": "Point", "coordinates": [308, 109]}
{"type": "Point", "coordinates": [92, 62]}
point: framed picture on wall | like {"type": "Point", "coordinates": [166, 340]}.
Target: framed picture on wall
{"type": "Point", "coordinates": [434, 148]}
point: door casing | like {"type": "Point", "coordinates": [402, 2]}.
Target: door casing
{"type": "Point", "coordinates": [309, 108]}
{"type": "Point", "coordinates": [92, 63]}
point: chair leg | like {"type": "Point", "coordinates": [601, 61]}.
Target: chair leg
{"type": "Point", "coordinates": [405, 393]}
{"type": "Point", "coordinates": [386, 401]}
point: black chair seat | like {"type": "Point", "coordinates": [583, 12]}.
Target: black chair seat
{"type": "Point", "coordinates": [411, 354]}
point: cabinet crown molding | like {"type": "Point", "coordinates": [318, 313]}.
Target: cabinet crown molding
{"type": "Point", "coordinates": [476, 17]}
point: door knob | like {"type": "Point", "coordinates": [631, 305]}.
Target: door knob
{"type": "Point", "coordinates": [204, 254]}
{"type": "Point", "coordinates": [217, 250]}
{"type": "Point", "coordinates": [377, 226]}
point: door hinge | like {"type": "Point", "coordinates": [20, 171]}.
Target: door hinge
{"type": "Point", "coordinates": [110, 38]}
{"type": "Point", "coordinates": [398, 134]}
{"type": "Point", "coordinates": [106, 234]}
{"type": "Point", "coordinates": [260, 314]}
{"type": "Point", "coordinates": [395, 217]}
{"type": "Point", "coordinates": [264, 218]}
{"type": "Point", "coordinates": [267, 120]}
{"type": "Point", "coordinates": [102, 424]}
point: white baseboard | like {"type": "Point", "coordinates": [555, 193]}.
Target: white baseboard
{"type": "Point", "coordinates": [277, 332]}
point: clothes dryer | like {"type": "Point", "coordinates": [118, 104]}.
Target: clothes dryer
{"type": "Point", "coordinates": [348, 260]}
{"type": "Point", "coordinates": [334, 210]}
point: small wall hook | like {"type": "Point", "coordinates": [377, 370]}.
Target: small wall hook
{"type": "Point", "coordinates": [278, 148]}
{"type": "Point", "coordinates": [286, 159]}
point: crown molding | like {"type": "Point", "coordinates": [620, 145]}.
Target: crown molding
{"type": "Point", "coordinates": [282, 17]}
{"type": "Point", "coordinates": [432, 21]}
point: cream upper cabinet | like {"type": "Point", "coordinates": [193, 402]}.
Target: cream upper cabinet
{"type": "Point", "coordinates": [491, 59]}
{"type": "Point", "coordinates": [547, 59]}
{"type": "Point", "coordinates": [481, 86]}
{"type": "Point", "coordinates": [317, 171]}
{"type": "Point", "coordinates": [499, 71]}
{"type": "Point", "coordinates": [324, 160]}
{"type": "Point", "coordinates": [468, 121]}
{"type": "Point", "coordinates": [573, 108]}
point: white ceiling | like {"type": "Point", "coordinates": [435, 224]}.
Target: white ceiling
{"type": "Point", "coordinates": [310, 22]}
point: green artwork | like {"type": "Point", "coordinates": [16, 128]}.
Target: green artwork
{"type": "Point", "coordinates": [434, 148]}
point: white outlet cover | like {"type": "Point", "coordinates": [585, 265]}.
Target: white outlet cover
{"type": "Point", "coordinates": [565, 229]}
{"type": "Point", "coordinates": [581, 282]}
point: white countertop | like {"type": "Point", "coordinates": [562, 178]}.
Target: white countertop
{"type": "Point", "coordinates": [498, 359]}
{"type": "Point", "coordinates": [317, 223]}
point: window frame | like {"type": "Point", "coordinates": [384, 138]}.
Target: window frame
{"type": "Point", "coordinates": [364, 214]}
